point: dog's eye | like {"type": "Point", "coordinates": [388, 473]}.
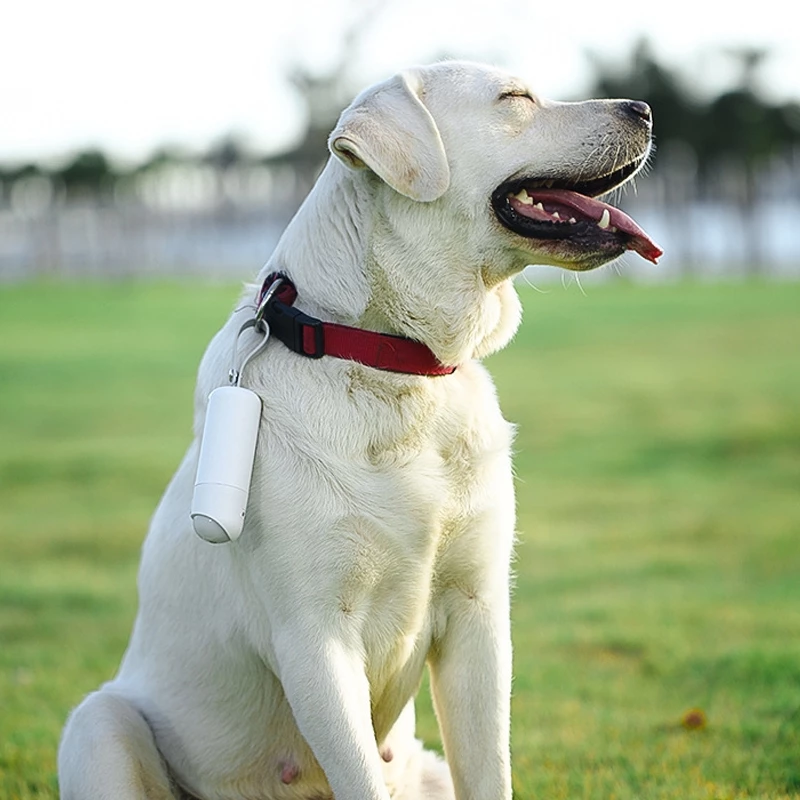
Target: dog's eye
{"type": "Point", "coordinates": [518, 93]}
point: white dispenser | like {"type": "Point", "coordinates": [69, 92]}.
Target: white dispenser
{"type": "Point", "coordinates": [225, 466]}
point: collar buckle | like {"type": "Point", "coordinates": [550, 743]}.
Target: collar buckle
{"type": "Point", "coordinates": [298, 331]}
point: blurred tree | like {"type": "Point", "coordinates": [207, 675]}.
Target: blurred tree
{"type": "Point", "coordinates": [746, 132]}
{"type": "Point", "coordinates": [678, 116]}
{"type": "Point", "coordinates": [10, 174]}
{"type": "Point", "coordinates": [738, 123]}
{"type": "Point", "coordinates": [732, 136]}
{"type": "Point", "coordinates": [323, 96]}
{"type": "Point", "coordinates": [89, 172]}
{"type": "Point", "coordinates": [642, 77]}
{"type": "Point", "coordinates": [227, 152]}
{"type": "Point", "coordinates": [166, 155]}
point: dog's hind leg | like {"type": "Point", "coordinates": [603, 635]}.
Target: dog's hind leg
{"type": "Point", "coordinates": [108, 751]}
{"type": "Point", "coordinates": [413, 773]}
{"type": "Point", "coordinates": [426, 777]}
{"type": "Point", "coordinates": [436, 782]}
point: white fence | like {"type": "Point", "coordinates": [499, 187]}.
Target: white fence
{"type": "Point", "coordinates": [705, 231]}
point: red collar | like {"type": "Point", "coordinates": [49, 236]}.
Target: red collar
{"type": "Point", "coordinates": [313, 338]}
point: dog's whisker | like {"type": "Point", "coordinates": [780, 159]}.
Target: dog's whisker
{"type": "Point", "coordinates": [531, 284]}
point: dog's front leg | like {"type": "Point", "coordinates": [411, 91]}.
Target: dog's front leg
{"type": "Point", "coordinates": [327, 689]}
{"type": "Point", "coordinates": [471, 683]}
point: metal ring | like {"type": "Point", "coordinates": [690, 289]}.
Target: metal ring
{"type": "Point", "coordinates": [262, 306]}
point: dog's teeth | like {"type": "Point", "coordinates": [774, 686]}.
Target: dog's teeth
{"type": "Point", "coordinates": [539, 206]}
{"type": "Point", "coordinates": [572, 219]}
{"type": "Point", "coordinates": [555, 215]}
{"type": "Point", "coordinates": [605, 220]}
{"type": "Point", "coordinates": [523, 196]}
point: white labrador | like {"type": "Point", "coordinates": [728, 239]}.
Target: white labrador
{"type": "Point", "coordinates": [381, 517]}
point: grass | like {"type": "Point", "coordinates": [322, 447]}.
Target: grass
{"type": "Point", "coordinates": [658, 566]}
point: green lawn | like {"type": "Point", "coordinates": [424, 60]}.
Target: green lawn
{"type": "Point", "coordinates": [658, 464]}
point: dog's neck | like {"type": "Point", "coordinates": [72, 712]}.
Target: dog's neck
{"type": "Point", "coordinates": [358, 255]}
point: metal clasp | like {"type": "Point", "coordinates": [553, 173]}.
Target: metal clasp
{"type": "Point", "coordinates": [262, 305]}
{"type": "Point", "coordinates": [260, 329]}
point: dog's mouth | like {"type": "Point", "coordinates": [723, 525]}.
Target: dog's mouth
{"type": "Point", "coordinates": [567, 211]}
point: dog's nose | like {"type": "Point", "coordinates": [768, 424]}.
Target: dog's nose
{"type": "Point", "coordinates": [638, 109]}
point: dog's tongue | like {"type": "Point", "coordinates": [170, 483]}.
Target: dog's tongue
{"type": "Point", "coordinates": [593, 210]}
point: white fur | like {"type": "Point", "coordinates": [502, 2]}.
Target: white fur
{"type": "Point", "coordinates": [381, 518]}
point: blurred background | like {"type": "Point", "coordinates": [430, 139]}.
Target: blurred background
{"type": "Point", "coordinates": [167, 138]}
{"type": "Point", "coordinates": [150, 155]}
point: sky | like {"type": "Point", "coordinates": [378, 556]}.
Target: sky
{"type": "Point", "coordinates": [129, 78]}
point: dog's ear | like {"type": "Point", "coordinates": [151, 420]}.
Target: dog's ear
{"type": "Point", "coordinates": [389, 130]}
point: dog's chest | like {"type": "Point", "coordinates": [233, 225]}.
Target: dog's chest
{"type": "Point", "coordinates": [426, 464]}
{"type": "Point", "coordinates": [438, 443]}
{"type": "Point", "coordinates": [432, 456]}
{"type": "Point", "coordinates": [386, 483]}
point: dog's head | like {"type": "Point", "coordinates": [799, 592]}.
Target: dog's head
{"type": "Point", "coordinates": [522, 173]}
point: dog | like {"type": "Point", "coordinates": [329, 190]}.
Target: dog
{"type": "Point", "coordinates": [381, 521]}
